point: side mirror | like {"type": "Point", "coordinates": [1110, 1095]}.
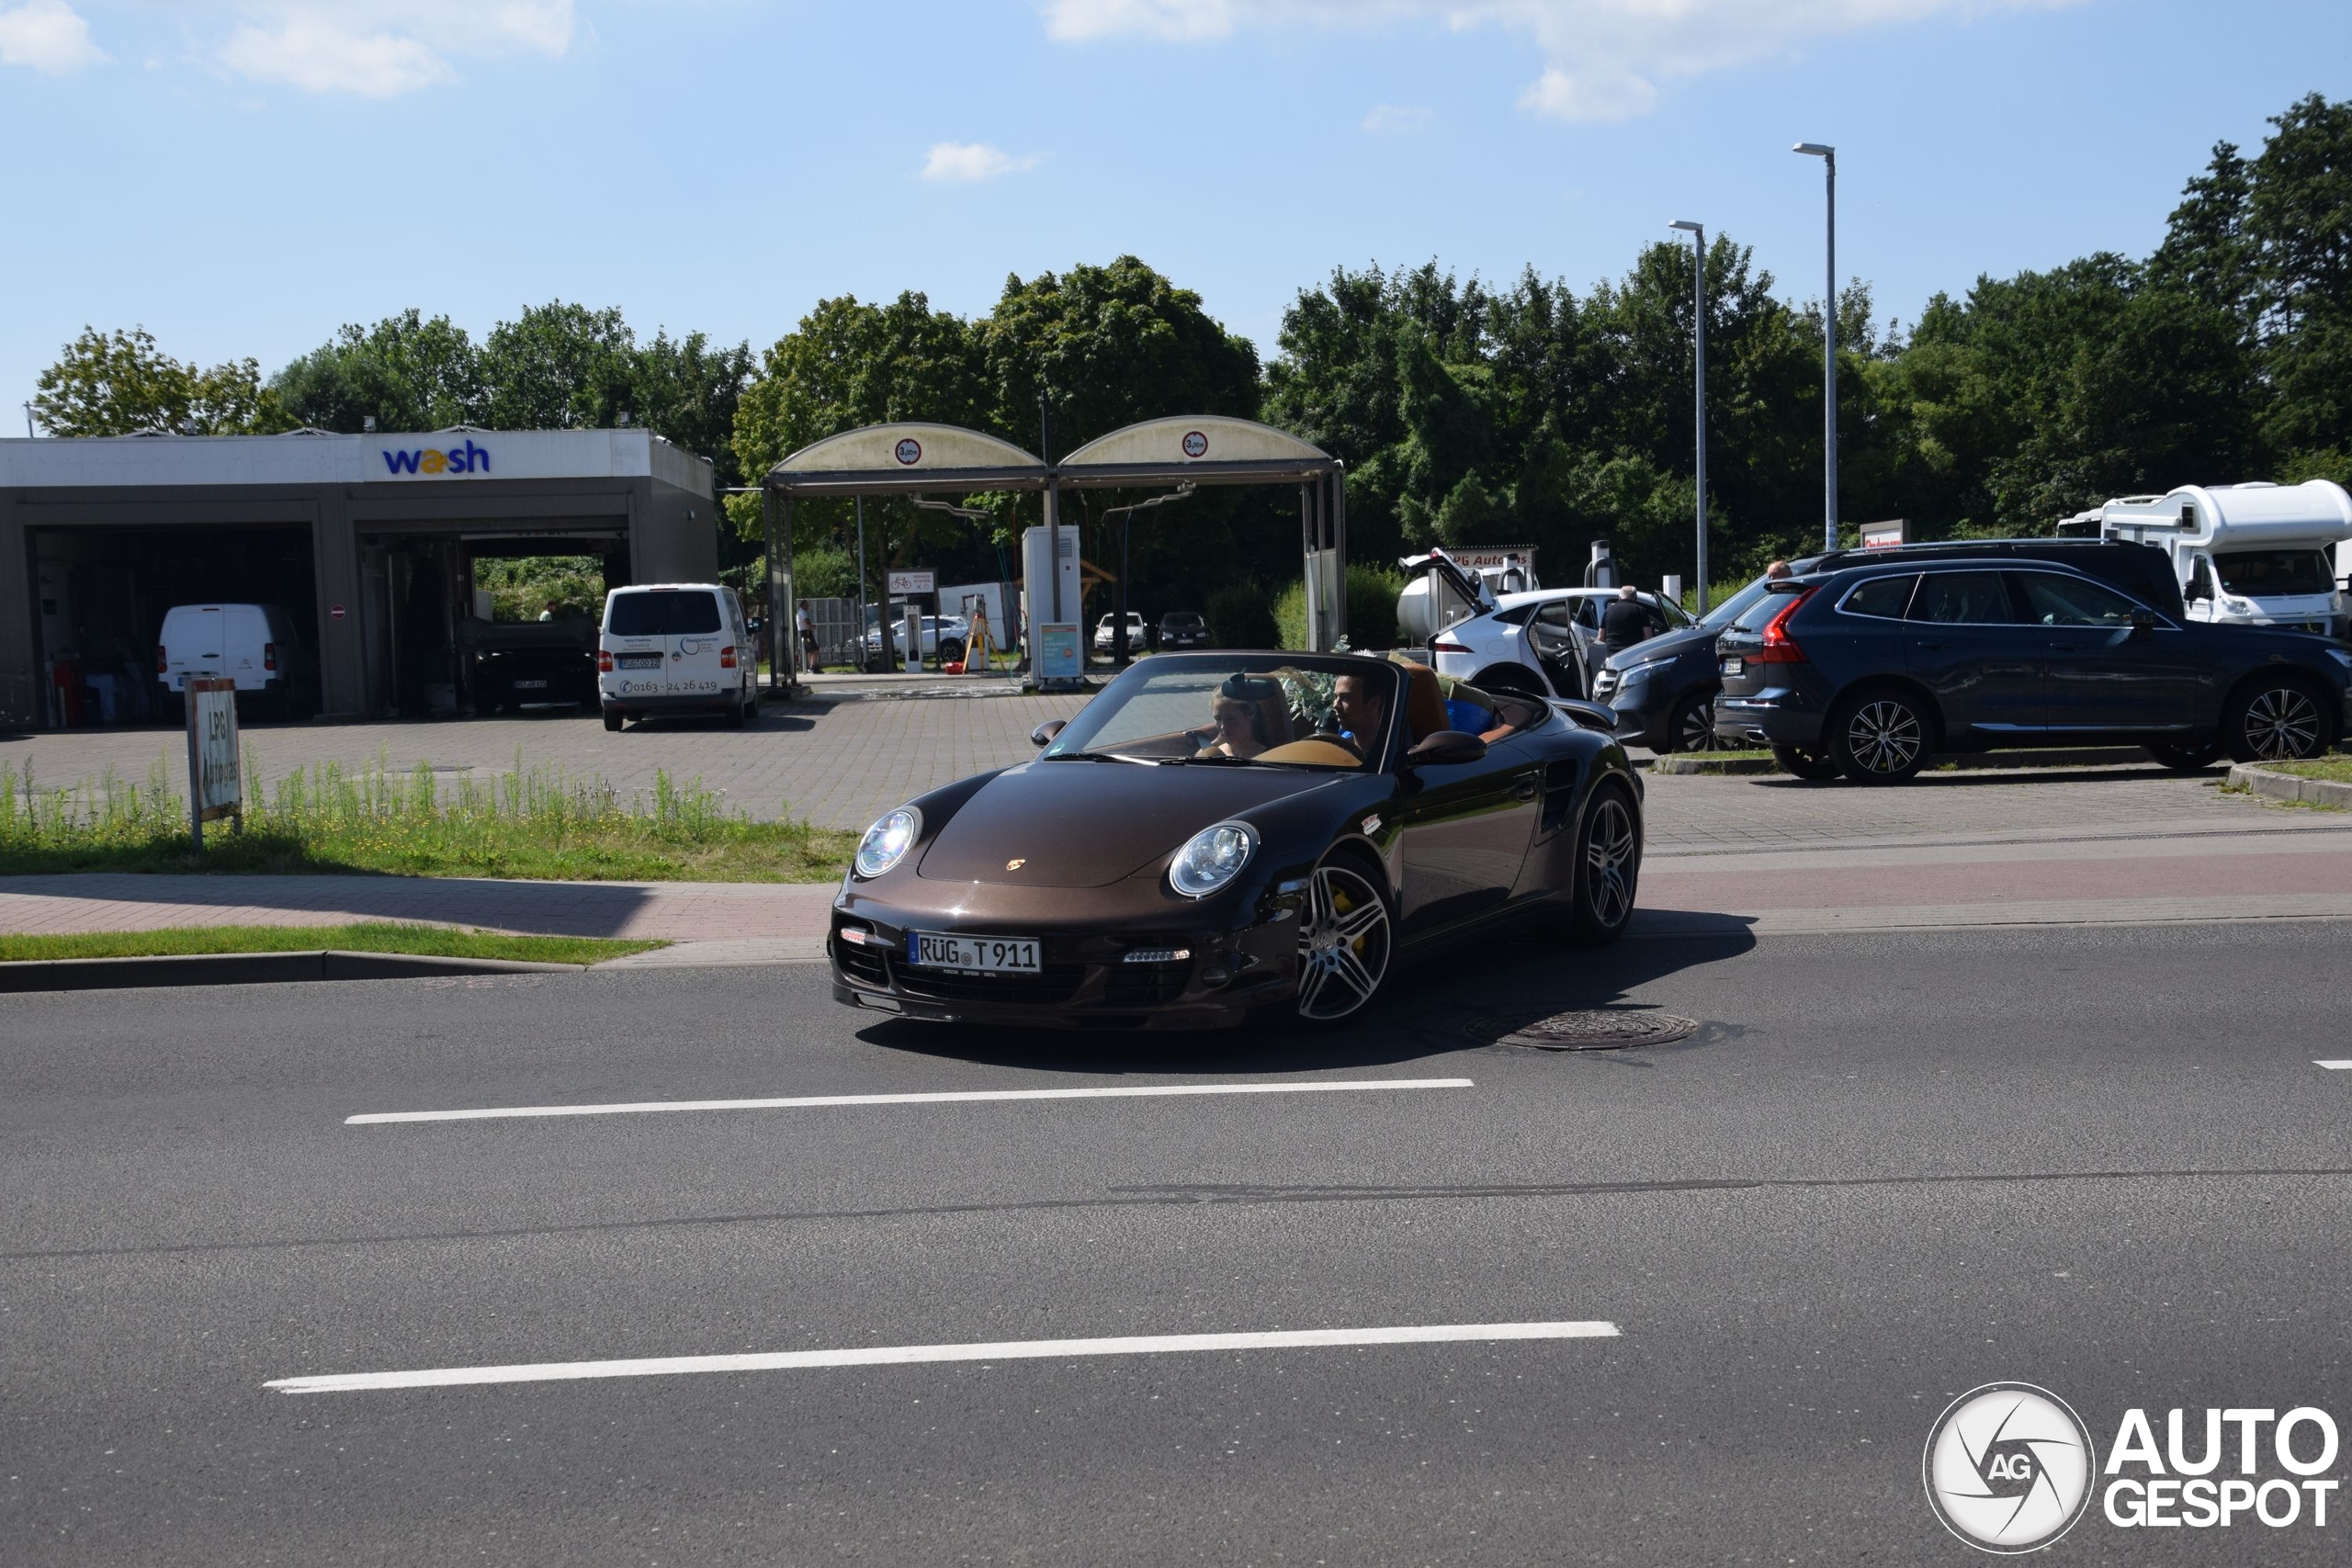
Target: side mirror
{"type": "Point", "coordinates": [2142, 623]}
{"type": "Point", "coordinates": [1044, 734]}
{"type": "Point", "coordinates": [1445, 749]}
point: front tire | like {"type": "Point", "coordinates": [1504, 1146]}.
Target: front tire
{"type": "Point", "coordinates": [1607, 867]}
{"type": "Point", "coordinates": [1692, 727]}
{"type": "Point", "coordinates": [1815, 766]}
{"type": "Point", "coordinates": [1346, 943]}
{"type": "Point", "coordinates": [2277, 719]}
{"type": "Point", "coordinates": [2185, 756]}
{"type": "Point", "coordinates": [1880, 737]}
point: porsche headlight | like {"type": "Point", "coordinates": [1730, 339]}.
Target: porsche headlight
{"type": "Point", "coordinates": [1213, 858]}
{"type": "Point", "coordinates": [886, 842]}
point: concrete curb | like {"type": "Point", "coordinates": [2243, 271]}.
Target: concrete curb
{"type": "Point", "coordinates": [2057, 757]}
{"type": "Point", "coordinates": [250, 969]}
{"type": "Point", "coordinates": [2271, 785]}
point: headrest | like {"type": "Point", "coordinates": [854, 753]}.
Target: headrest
{"type": "Point", "coordinates": [1424, 702]}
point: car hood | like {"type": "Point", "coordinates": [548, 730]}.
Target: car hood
{"type": "Point", "coordinates": [1662, 646]}
{"type": "Point", "coordinates": [1074, 824]}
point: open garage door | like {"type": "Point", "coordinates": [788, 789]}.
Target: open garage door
{"type": "Point", "coordinates": [101, 593]}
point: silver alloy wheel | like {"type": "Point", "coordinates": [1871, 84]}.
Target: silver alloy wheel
{"type": "Point", "coordinates": [1698, 731]}
{"type": "Point", "coordinates": [1343, 944]}
{"type": "Point", "coordinates": [2282, 724]}
{"type": "Point", "coordinates": [1884, 736]}
{"type": "Point", "coordinates": [1611, 852]}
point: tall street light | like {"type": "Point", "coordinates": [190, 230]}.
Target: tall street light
{"type": "Point", "coordinates": [1828, 156]}
{"type": "Point", "coordinates": [1698, 233]}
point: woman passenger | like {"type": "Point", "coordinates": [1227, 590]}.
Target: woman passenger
{"type": "Point", "coordinates": [1251, 714]}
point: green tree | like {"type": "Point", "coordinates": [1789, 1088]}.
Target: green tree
{"type": "Point", "coordinates": [559, 367]}
{"type": "Point", "coordinates": [408, 372]}
{"type": "Point", "coordinates": [121, 383]}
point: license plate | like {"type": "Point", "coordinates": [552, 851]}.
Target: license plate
{"type": "Point", "coordinates": [1735, 666]}
{"type": "Point", "coordinates": [530, 685]}
{"type": "Point", "coordinates": [639, 662]}
{"type": "Point", "coordinates": [982, 954]}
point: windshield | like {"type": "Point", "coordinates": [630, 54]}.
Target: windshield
{"type": "Point", "coordinates": [662, 612]}
{"type": "Point", "coordinates": [2260, 574]}
{"type": "Point", "coordinates": [1264, 709]}
{"type": "Point", "coordinates": [1731, 609]}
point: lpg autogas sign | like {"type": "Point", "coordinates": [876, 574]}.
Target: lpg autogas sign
{"type": "Point", "coordinates": [433, 462]}
{"type": "Point", "coordinates": [2009, 1468]}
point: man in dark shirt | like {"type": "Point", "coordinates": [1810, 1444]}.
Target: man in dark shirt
{"type": "Point", "coordinates": [1626, 621]}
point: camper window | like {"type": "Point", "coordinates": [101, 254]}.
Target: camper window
{"type": "Point", "coordinates": [2263, 574]}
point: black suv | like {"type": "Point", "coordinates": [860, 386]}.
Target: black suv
{"type": "Point", "coordinates": [1868, 667]}
{"type": "Point", "coordinates": [1664, 689]}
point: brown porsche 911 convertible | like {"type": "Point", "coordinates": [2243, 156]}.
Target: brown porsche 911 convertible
{"type": "Point", "coordinates": [1221, 835]}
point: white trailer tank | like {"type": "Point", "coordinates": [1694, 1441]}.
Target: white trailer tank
{"type": "Point", "coordinates": [2255, 555]}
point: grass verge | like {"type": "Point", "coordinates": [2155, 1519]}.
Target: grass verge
{"type": "Point", "coordinates": [2337, 769]}
{"type": "Point", "coordinates": [371, 936]}
{"type": "Point", "coordinates": [539, 823]}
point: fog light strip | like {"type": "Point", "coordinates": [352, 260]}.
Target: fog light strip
{"type": "Point", "coordinates": [1108, 1091]}
{"type": "Point", "coordinates": [906, 1355]}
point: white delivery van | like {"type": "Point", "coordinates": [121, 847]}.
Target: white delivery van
{"type": "Point", "coordinates": [675, 648]}
{"type": "Point", "coordinates": [255, 645]}
{"type": "Point", "coordinates": [2251, 554]}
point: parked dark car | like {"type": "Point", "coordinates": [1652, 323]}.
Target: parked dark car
{"type": "Point", "coordinates": [1870, 670]}
{"type": "Point", "coordinates": [1180, 629]}
{"type": "Point", "coordinates": [1663, 691]}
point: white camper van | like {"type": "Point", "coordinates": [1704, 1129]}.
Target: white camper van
{"type": "Point", "coordinates": [2250, 555]}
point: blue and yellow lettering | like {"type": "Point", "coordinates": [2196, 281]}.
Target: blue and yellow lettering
{"type": "Point", "coordinates": [401, 462]}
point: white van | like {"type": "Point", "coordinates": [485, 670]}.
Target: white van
{"type": "Point", "coordinates": [2249, 554]}
{"type": "Point", "coordinates": [675, 648]}
{"type": "Point", "coordinates": [255, 645]}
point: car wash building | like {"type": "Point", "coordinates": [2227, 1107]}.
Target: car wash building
{"type": "Point", "coordinates": [368, 541]}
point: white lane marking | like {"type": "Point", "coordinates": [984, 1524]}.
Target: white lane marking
{"type": "Point", "coordinates": [902, 1355]}
{"type": "Point", "coordinates": [2339, 1067]}
{"type": "Point", "coordinates": [1108, 1091]}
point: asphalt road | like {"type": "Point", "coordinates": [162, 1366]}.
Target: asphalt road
{"type": "Point", "coordinates": [1886, 1170]}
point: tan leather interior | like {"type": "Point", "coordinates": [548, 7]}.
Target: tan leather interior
{"type": "Point", "coordinates": [1323, 753]}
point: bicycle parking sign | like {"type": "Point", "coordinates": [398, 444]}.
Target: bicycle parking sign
{"type": "Point", "coordinates": [215, 777]}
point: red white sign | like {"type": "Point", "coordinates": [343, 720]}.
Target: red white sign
{"type": "Point", "coordinates": [335, 612]}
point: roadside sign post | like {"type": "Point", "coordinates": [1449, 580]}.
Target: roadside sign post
{"type": "Point", "coordinates": [215, 777]}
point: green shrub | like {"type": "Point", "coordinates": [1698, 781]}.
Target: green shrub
{"type": "Point", "coordinates": [1371, 609]}
{"type": "Point", "coordinates": [1240, 615]}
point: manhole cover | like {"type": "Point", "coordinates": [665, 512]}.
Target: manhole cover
{"type": "Point", "coordinates": [1595, 1030]}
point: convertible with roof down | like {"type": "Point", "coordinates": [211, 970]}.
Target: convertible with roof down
{"type": "Point", "coordinates": [1218, 836]}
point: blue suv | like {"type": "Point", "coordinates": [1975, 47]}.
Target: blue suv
{"type": "Point", "coordinates": [1868, 671]}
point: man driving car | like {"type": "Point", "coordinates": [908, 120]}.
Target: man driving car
{"type": "Point", "coordinates": [1360, 706]}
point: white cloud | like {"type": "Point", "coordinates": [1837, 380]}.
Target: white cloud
{"type": "Point", "coordinates": [1605, 59]}
{"type": "Point", "coordinates": [1396, 119]}
{"type": "Point", "coordinates": [47, 35]}
{"type": "Point", "coordinates": [967, 163]}
{"type": "Point", "coordinates": [380, 49]}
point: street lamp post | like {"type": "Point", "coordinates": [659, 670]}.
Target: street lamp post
{"type": "Point", "coordinates": [1698, 233]}
{"type": "Point", "coordinates": [1126, 514]}
{"type": "Point", "coordinates": [1828, 156]}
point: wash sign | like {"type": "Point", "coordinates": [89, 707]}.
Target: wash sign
{"type": "Point", "coordinates": [432, 462]}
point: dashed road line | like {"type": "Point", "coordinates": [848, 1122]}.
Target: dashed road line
{"type": "Point", "coordinates": [951, 1097]}
{"type": "Point", "coordinates": [907, 1355]}
{"type": "Point", "coordinates": [2335, 1066]}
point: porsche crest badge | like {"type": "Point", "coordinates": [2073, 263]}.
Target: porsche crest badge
{"type": "Point", "coordinates": [1015, 864]}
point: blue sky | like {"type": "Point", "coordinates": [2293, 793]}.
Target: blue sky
{"type": "Point", "coordinates": [243, 176]}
